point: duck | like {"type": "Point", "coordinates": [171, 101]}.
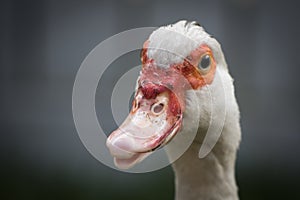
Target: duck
{"type": "Point", "coordinates": [184, 82]}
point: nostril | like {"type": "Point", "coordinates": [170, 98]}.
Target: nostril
{"type": "Point", "coordinates": [157, 108]}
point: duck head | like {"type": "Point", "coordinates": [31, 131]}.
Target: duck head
{"type": "Point", "coordinates": [175, 59]}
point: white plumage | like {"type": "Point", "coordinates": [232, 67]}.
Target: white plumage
{"type": "Point", "coordinates": [212, 177]}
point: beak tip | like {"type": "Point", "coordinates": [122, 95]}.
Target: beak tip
{"type": "Point", "coordinates": [120, 145]}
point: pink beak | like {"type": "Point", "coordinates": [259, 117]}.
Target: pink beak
{"type": "Point", "coordinates": [153, 121]}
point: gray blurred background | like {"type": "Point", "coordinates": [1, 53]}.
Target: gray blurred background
{"type": "Point", "coordinates": [43, 44]}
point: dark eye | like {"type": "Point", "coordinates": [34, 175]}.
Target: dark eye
{"type": "Point", "coordinates": [205, 62]}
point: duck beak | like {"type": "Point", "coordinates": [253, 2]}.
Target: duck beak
{"type": "Point", "coordinates": [153, 121]}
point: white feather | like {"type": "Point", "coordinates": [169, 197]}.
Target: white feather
{"type": "Point", "coordinates": [172, 43]}
{"type": "Point", "coordinates": [211, 177]}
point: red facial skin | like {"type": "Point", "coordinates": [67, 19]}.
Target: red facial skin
{"type": "Point", "coordinates": [154, 80]}
{"type": "Point", "coordinates": [188, 68]}
{"type": "Point", "coordinates": [177, 78]}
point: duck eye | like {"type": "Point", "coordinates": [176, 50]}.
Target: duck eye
{"type": "Point", "coordinates": [205, 62]}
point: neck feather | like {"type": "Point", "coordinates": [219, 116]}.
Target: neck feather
{"type": "Point", "coordinates": [209, 178]}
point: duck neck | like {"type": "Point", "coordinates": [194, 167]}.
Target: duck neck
{"type": "Point", "coordinates": [211, 177]}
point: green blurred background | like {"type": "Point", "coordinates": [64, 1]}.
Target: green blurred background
{"type": "Point", "coordinates": [43, 44]}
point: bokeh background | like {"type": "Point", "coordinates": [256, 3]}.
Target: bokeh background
{"type": "Point", "coordinates": [43, 44]}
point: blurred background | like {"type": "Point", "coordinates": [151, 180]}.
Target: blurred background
{"type": "Point", "coordinates": [43, 44]}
